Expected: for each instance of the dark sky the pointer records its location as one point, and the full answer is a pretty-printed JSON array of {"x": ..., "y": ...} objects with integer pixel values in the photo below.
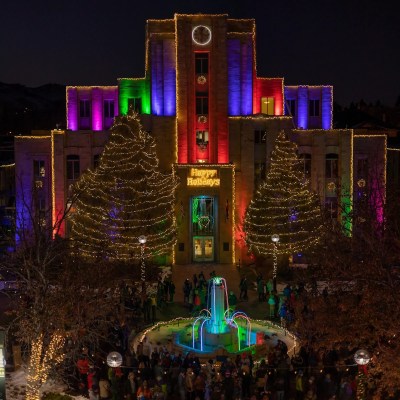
[{"x": 353, "y": 45}]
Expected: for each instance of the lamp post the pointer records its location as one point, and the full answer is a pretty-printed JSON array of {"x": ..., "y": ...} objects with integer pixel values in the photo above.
[
  {"x": 362, "y": 358},
  {"x": 142, "y": 240},
  {"x": 275, "y": 240},
  {"x": 114, "y": 360}
]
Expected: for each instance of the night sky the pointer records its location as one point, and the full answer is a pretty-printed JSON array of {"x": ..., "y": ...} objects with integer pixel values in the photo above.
[{"x": 353, "y": 45}]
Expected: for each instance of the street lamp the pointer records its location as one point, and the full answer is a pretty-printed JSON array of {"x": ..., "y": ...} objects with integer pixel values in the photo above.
[
  {"x": 142, "y": 240},
  {"x": 114, "y": 359},
  {"x": 362, "y": 358},
  {"x": 275, "y": 240}
]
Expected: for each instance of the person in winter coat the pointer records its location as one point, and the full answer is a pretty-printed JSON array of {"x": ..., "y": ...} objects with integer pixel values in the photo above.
[
  {"x": 104, "y": 388},
  {"x": 189, "y": 384},
  {"x": 299, "y": 386},
  {"x": 182, "y": 385},
  {"x": 243, "y": 289},
  {"x": 232, "y": 299},
  {"x": 144, "y": 392},
  {"x": 271, "y": 303},
  {"x": 131, "y": 387},
  {"x": 171, "y": 292}
]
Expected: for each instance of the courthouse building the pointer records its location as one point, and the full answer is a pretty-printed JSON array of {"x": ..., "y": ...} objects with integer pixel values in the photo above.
[{"x": 215, "y": 122}]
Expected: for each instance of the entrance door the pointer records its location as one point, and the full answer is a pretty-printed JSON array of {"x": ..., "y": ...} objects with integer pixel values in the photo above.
[{"x": 203, "y": 248}]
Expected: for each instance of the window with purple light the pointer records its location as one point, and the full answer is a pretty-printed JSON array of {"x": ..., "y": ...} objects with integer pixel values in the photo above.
[
  {"x": 313, "y": 108},
  {"x": 84, "y": 108},
  {"x": 109, "y": 109}
]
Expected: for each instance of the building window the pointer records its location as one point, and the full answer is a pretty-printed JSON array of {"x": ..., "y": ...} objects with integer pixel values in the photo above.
[
  {"x": 135, "y": 103},
  {"x": 306, "y": 160},
  {"x": 201, "y": 63},
  {"x": 202, "y": 105},
  {"x": 290, "y": 107},
  {"x": 41, "y": 211},
  {"x": 84, "y": 108},
  {"x": 73, "y": 167},
  {"x": 260, "y": 136},
  {"x": 39, "y": 170},
  {"x": 202, "y": 215},
  {"x": 313, "y": 108},
  {"x": 268, "y": 105},
  {"x": 96, "y": 160},
  {"x": 202, "y": 139},
  {"x": 331, "y": 166},
  {"x": 331, "y": 207},
  {"x": 259, "y": 173},
  {"x": 108, "y": 108},
  {"x": 362, "y": 168}
]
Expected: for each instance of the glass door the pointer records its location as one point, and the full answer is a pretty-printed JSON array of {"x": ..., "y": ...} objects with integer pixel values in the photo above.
[{"x": 203, "y": 248}]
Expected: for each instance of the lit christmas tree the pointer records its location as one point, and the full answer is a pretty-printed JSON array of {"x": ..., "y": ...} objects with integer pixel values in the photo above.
[
  {"x": 124, "y": 198},
  {"x": 283, "y": 205}
]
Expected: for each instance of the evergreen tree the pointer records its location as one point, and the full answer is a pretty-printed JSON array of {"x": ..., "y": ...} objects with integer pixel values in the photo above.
[
  {"x": 125, "y": 197},
  {"x": 283, "y": 205}
]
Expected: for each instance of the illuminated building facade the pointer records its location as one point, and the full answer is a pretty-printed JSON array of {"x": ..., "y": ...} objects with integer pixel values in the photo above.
[{"x": 215, "y": 122}]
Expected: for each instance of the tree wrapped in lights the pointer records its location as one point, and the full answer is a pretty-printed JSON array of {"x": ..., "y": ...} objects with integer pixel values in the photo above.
[
  {"x": 125, "y": 197},
  {"x": 42, "y": 360},
  {"x": 283, "y": 205}
]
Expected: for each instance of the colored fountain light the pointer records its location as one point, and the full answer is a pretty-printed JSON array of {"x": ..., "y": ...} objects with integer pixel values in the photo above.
[
  {"x": 218, "y": 325},
  {"x": 218, "y": 329}
]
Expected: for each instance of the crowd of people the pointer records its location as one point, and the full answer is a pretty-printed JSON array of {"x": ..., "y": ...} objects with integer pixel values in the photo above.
[{"x": 152, "y": 371}]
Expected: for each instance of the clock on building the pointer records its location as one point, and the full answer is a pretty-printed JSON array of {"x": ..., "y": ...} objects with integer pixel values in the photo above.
[{"x": 201, "y": 35}]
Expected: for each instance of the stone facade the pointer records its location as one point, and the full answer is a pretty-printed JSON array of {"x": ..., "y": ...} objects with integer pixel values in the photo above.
[{"x": 215, "y": 122}]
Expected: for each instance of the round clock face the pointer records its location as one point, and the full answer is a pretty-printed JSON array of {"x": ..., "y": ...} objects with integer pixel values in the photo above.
[{"x": 201, "y": 35}]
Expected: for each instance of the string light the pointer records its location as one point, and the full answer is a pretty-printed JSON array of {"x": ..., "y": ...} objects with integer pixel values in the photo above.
[
  {"x": 54, "y": 211},
  {"x": 283, "y": 205},
  {"x": 32, "y": 137},
  {"x": 125, "y": 197},
  {"x": 266, "y": 323},
  {"x": 41, "y": 361},
  {"x": 218, "y": 166}
]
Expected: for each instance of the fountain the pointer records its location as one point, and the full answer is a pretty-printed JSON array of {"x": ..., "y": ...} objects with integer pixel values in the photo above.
[
  {"x": 218, "y": 325},
  {"x": 218, "y": 330}
]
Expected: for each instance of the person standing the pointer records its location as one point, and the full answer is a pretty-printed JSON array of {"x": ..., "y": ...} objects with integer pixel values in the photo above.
[
  {"x": 189, "y": 384},
  {"x": 104, "y": 388},
  {"x": 182, "y": 384},
  {"x": 153, "y": 309},
  {"x": 260, "y": 290},
  {"x": 232, "y": 299},
  {"x": 243, "y": 289},
  {"x": 130, "y": 387},
  {"x": 171, "y": 291},
  {"x": 271, "y": 304},
  {"x": 299, "y": 382}
]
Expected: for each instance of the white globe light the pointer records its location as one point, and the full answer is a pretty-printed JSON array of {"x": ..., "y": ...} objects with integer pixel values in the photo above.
[
  {"x": 142, "y": 239},
  {"x": 275, "y": 238},
  {"x": 114, "y": 359},
  {"x": 362, "y": 357}
]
